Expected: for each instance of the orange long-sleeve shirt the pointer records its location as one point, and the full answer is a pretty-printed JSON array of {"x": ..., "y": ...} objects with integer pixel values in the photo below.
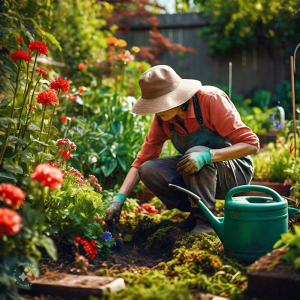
[{"x": 219, "y": 114}]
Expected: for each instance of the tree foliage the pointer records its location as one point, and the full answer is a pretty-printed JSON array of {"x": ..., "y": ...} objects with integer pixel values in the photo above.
[{"x": 239, "y": 23}]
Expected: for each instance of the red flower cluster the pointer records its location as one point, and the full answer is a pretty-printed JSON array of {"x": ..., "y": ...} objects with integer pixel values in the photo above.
[
  {"x": 81, "y": 89},
  {"x": 79, "y": 180},
  {"x": 81, "y": 66},
  {"x": 63, "y": 119},
  {"x": 32, "y": 106},
  {"x": 41, "y": 70},
  {"x": 93, "y": 178},
  {"x": 11, "y": 194},
  {"x": 99, "y": 187},
  {"x": 20, "y": 39},
  {"x": 60, "y": 84},
  {"x": 150, "y": 208},
  {"x": 72, "y": 97},
  {"x": 47, "y": 97},
  {"x": 66, "y": 154},
  {"x": 76, "y": 172},
  {"x": 10, "y": 221},
  {"x": 90, "y": 248},
  {"x": 39, "y": 46},
  {"x": 48, "y": 175},
  {"x": 18, "y": 55},
  {"x": 65, "y": 142}
]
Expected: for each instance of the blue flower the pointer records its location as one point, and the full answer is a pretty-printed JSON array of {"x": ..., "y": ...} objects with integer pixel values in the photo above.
[
  {"x": 271, "y": 116},
  {"x": 106, "y": 236},
  {"x": 276, "y": 124}
]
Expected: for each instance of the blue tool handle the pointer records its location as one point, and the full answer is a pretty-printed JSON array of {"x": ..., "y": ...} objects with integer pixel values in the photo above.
[{"x": 257, "y": 188}]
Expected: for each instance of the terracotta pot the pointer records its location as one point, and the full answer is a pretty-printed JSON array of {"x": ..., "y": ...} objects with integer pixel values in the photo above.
[{"x": 281, "y": 188}]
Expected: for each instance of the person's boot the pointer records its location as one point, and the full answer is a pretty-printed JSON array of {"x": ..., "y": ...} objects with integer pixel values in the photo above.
[
  {"x": 188, "y": 224},
  {"x": 202, "y": 225}
]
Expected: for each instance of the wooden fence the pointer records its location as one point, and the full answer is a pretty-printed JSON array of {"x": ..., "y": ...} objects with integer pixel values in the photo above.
[{"x": 252, "y": 68}]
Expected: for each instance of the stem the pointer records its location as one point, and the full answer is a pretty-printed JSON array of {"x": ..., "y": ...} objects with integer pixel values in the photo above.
[
  {"x": 42, "y": 123},
  {"x": 12, "y": 114},
  {"x": 51, "y": 120}
]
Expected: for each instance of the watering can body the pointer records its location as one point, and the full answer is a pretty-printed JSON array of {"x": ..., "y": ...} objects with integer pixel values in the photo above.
[{"x": 251, "y": 225}]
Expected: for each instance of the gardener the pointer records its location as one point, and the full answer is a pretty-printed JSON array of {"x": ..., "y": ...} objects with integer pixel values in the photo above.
[{"x": 206, "y": 129}]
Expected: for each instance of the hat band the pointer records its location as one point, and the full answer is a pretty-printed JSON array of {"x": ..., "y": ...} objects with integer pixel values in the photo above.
[{"x": 161, "y": 92}]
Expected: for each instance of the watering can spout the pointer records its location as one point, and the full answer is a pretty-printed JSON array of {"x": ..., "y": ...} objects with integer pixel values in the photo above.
[{"x": 216, "y": 223}]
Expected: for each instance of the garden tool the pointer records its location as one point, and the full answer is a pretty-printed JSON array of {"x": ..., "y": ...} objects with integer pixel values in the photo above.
[{"x": 251, "y": 225}]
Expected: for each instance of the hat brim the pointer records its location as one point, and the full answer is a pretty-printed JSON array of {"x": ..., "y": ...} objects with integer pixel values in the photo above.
[{"x": 186, "y": 89}]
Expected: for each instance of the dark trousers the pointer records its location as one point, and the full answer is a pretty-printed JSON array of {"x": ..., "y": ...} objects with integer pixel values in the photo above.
[{"x": 211, "y": 182}]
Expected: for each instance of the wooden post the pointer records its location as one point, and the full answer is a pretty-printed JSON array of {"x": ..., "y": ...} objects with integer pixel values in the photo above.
[
  {"x": 230, "y": 79},
  {"x": 294, "y": 105}
]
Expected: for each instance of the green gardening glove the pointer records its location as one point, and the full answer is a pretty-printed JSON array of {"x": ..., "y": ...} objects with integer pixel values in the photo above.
[
  {"x": 114, "y": 209},
  {"x": 193, "y": 162}
]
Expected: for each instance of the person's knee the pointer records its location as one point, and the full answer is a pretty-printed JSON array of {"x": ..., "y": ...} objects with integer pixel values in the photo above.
[
  {"x": 147, "y": 170},
  {"x": 196, "y": 149}
]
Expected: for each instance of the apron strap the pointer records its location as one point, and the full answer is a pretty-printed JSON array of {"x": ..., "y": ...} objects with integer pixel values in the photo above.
[{"x": 197, "y": 110}]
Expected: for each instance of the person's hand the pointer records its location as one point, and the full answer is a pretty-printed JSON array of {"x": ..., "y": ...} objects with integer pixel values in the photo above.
[
  {"x": 193, "y": 162},
  {"x": 114, "y": 209}
]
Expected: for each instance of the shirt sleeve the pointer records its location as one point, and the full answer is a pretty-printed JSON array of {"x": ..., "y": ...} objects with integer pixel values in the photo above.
[
  {"x": 226, "y": 120},
  {"x": 152, "y": 147}
]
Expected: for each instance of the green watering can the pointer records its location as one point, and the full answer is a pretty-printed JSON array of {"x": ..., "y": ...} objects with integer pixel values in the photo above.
[{"x": 251, "y": 225}]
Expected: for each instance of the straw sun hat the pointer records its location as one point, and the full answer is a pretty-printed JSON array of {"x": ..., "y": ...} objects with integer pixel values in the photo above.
[{"x": 163, "y": 89}]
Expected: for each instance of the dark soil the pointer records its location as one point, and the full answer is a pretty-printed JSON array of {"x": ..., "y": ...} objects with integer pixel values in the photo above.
[{"x": 132, "y": 256}]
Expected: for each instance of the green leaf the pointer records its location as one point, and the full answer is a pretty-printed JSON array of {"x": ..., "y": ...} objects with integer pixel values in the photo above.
[
  {"x": 21, "y": 143},
  {"x": 117, "y": 127},
  {"x": 5, "y": 121},
  {"x": 26, "y": 156},
  {"x": 39, "y": 142},
  {"x": 7, "y": 177},
  {"x": 54, "y": 129},
  {"x": 12, "y": 168},
  {"x": 45, "y": 156},
  {"x": 33, "y": 127},
  {"x": 49, "y": 246},
  {"x": 109, "y": 167},
  {"x": 122, "y": 163},
  {"x": 17, "y": 121},
  {"x": 49, "y": 36},
  {"x": 26, "y": 180}
]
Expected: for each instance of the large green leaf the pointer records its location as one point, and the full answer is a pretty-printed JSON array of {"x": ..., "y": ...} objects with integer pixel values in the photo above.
[
  {"x": 26, "y": 156},
  {"x": 43, "y": 155},
  {"x": 39, "y": 142},
  {"x": 49, "y": 246},
  {"x": 109, "y": 166},
  {"x": 7, "y": 177},
  {"x": 117, "y": 127},
  {"x": 122, "y": 162},
  {"x": 33, "y": 127},
  {"x": 5, "y": 121},
  {"x": 12, "y": 168},
  {"x": 49, "y": 36}
]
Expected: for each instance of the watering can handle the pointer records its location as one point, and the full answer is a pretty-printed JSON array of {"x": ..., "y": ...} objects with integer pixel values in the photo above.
[{"x": 245, "y": 188}]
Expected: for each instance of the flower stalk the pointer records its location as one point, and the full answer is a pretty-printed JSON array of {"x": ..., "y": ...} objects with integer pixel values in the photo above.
[
  {"x": 42, "y": 122},
  {"x": 11, "y": 115}
]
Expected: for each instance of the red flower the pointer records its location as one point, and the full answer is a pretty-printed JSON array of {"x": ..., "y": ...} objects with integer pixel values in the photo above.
[
  {"x": 72, "y": 97},
  {"x": 282, "y": 250},
  {"x": 93, "y": 178},
  {"x": 80, "y": 89},
  {"x": 18, "y": 55},
  {"x": 48, "y": 176},
  {"x": 47, "y": 97},
  {"x": 41, "y": 70},
  {"x": 63, "y": 119},
  {"x": 77, "y": 239},
  {"x": 291, "y": 149},
  {"x": 262, "y": 167},
  {"x": 150, "y": 208},
  {"x": 72, "y": 119},
  {"x": 39, "y": 46},
  {"x": 66, "y": 154},
  {"x": 10, "y": 221},
  {"x": 76, "y": 172},
  {"x": 59, "y": 83},
  {"x": 11, "y": 194},
  {"x": 20, "y": 39},
  {"x": 90, "y": 248},
  {"x": 66, "y": 142},
  {"x": 95, "y": 219},
  {"x": 140, "y": 66},
  {"x": 99, "y": 187},
  {"x": 119, "y": 78},
  {"x": 81, "y": 66}
]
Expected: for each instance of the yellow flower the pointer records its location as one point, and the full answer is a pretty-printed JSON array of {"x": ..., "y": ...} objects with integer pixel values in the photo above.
[
  {"x": 135, "y": 49},
  {"x": 121, "y": 43}
]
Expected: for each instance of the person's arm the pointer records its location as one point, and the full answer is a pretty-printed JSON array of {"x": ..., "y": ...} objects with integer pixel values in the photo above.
[
  {"x": 236, "y": 151},
  {"x": 131, "y": 180}
]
